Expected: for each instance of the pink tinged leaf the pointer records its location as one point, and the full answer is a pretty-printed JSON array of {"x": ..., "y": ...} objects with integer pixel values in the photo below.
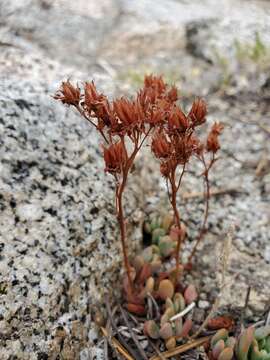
[
  {"x": 186, "y": 328},
  {"x": 190, "y": 294}
]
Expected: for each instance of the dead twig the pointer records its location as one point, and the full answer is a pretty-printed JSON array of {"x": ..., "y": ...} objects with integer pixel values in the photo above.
[
  {"x": 133, "y": 335},
  {"x": 117, "y": 346},
  {"x": 216, "y": 192},
  {"x": 223, "y": 266},
  {"x": 243, "y": 312},
  {"x": 181, "y": 349},
  {"x": 115, "y": 328},
  {"x": 156, "y": 350}
]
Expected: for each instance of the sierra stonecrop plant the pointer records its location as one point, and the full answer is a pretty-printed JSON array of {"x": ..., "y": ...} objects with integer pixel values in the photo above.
[
  {"x": 252, "y": 344},
  {"x": 125, "y": 125},
  {"x": 222, "y": 346},
  {"x": 166, "y": 327}
]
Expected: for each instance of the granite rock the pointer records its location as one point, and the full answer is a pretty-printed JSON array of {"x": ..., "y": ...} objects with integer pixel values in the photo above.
[{"x": 59, "y": 251}]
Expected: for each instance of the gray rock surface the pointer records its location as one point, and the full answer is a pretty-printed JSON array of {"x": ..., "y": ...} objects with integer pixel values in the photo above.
[
  {"x": 58, "y": 241},
  {"x": 59, "y": 248}
]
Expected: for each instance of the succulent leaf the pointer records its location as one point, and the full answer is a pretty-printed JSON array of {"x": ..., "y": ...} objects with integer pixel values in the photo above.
[
  {"x": 179, "y": 302},
  {"x": 170, "y": 343},
  {"x": 166, "y": 246},
  {"x": 157, "y": 234},
  {"x": 178, "y": 326},
  {"x": 218, "y": 348},
  {"x": 244, "y": 343},
  {"x": 149, "y": 285},
  {"x": 167, "y": 222},
  {"x": 151, "y": 329},
  {"x": 165, "y": 289},
  {"x": 166, "y": 331},
  {"x": 226, "y": 354},
  {"x": 262, "y": 332},
  {"x": 186, "y": 328},
  {"x": 190, "y": 294},
  {"x": 221, "y": 334}
]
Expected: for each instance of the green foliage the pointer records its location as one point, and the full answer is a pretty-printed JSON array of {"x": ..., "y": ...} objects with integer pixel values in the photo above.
[
  {"x": 255, "y": 51},
  {"x": 222, "y": 345}
]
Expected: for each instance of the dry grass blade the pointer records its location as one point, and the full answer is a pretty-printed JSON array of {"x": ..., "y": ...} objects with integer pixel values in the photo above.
[
  {"x": 181, "y": 349},
  {"x": 114, "y": 326},
  {"x": 133, "y": 335},
  {"x": 157, "y": 350},
  {"x": 195, "y": 194},
  {"x": 118, "y": 347}
]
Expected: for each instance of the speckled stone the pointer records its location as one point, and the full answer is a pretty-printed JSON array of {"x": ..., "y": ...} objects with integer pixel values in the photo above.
[{"x": 59, "y": 252}]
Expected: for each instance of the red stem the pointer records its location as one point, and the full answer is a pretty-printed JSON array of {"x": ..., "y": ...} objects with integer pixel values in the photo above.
[
  {"x": 119, "y": 197},
  {"x": 177, "y": 218},
  {"x": 122, "y": 225},
  {"x": 206, "y": 211}
]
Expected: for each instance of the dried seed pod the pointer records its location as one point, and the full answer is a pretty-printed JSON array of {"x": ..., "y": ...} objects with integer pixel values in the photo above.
[
  {"x": 151, "y": 329},
  {"x": 165, "y": 289},
  {"x": 166, "y": 331},
  {"x": 190, "y": 294},
  {"x": 170, "y": 343}
]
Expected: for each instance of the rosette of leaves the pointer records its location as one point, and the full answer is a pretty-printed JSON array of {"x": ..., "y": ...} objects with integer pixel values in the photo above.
[
  {"x": 167, "y": 329},
  {"x": 222, "y": 346},
  {"x": 254, "y": 344},
  {"x": 163, "y": 234}
]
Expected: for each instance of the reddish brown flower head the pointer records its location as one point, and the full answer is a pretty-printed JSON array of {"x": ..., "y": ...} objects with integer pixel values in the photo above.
[
  {"x": 198, "y": 112},
  {"x": 177, "y": 120},
  {"x": 68, "y": 94},
  {"x": 173, "y": 94},
  {"x": 168, "y": 167},
  {"x": 115, "y": 157},
  {"x": 156, "y": 83},
  {"x": 126, "y": 112},
  {"x": 184, "y": 147},
  {"x": 155, "y": 116},
  {"x": 212, "y": 143},
  {"x": 96, "y": 104},
  {"x": 160, "y": 146}
]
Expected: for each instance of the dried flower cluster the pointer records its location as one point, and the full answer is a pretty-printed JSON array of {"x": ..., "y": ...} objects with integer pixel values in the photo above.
[{"x": 125, "y": 124}]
